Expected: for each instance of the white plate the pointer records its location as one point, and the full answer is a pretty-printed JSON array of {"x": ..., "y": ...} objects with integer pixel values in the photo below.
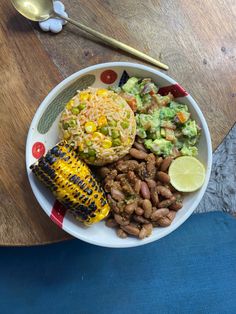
[{"x": 43, "y": 135}]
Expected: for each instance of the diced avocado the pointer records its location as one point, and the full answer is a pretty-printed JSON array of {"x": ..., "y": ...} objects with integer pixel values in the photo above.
[
  {"x": 144, "y": 121},
  {"x": 179, "y": 144},
  {"x": 167, "y": 113},
  {"x": 159, "y": 146},
  {"x": 146, "y": 99},
  {"x": 130, "y": 84},
  {"x": 154, "y": 134},
  {"x": 178, "y": 107},
  {"x": 192, "y": 141},
  {"x": 189, "y": 151},
  {"x": 138, "y": 102},
  {"x": 190, "y": 128},
  {"x": 163, "y": 132},
  {"x": 141, "y": 132}
]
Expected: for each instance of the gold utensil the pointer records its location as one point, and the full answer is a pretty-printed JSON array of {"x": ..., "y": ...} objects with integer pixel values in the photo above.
[{"x": 41, "y": 10}]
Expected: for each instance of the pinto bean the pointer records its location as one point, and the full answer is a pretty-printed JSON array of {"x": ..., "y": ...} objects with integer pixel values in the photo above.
[
  {"x": 130, "y": 208},
  {"x": 139, "y": 211},
  {"x": 121, "y": 233},
  {"x": 146, "y": 231},
  {"x": 103, "y": 172},
  {"x": 164, "y": 222},
  {"x": 171, "y": 215},
  {"x": 145, "y": 192},
  {"x": 126, "y": 157},
  {"x": 131, "y": 176},
  {"x": 120, "y": 176},
  {"x": 111, "y": 223},
  {"x": 151, "y": 167},
  {"x": 140, "y": 219},
  {"x": 147, "y": 206},
  {"x": 137, "y": 186},
  {"x": 121, "y": 220},
  {"x": 131, "y": 229},
  {"x": 167, "y": 203},
  {"x": 178, "y": 196},
  {"x": 176, "y": 206},
  {"x": 158, "y": 161},
  {"x": 165, "y": 192},
  {"x": 140, "y": 146},
  {"x": 113, "y": 204},
  {"x": 159, "y": 213},
  {"x": 138, "y": 154},
  {"x": 154, "y": 197},
  {"x": 117, "y": 194},
  {"x": 111, "y": 175},
  {"x": 166, "y": 163},
  {"x": 151, "y": 183},
  {"x": 163, "y": 177},
  {"x": 125, "y": 166},
  {"x": 142, "y": 171}
]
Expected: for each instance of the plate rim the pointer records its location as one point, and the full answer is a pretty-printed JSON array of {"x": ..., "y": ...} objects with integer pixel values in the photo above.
[{"x": 51, "y": 95}]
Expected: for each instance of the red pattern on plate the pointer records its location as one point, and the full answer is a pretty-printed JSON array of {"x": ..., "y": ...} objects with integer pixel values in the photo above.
[
  {"x": 58, "y": 213},
  {"x": 176, "y": 90},
  {"x": 108, "y": 76},
  {"x": 38, "y": 150}
]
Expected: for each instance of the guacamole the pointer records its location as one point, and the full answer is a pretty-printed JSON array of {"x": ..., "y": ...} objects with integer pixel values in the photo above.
[{"x": 165, "y": 125}]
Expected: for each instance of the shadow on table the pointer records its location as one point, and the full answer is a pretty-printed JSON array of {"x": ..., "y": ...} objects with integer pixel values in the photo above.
[{"x": 191, "y": 270}]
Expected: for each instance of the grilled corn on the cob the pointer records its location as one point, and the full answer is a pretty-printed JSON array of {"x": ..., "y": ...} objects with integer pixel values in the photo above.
[{"x": 72, "y": 183}]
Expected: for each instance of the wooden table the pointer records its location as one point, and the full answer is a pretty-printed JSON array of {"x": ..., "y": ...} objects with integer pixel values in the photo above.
[{"x": 195, "y": 38}]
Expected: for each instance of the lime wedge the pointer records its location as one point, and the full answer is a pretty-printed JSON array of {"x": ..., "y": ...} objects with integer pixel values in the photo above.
[{"x": 187, "y": 174}]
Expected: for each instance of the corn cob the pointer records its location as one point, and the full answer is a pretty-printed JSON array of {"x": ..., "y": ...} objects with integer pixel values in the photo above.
[{"x": 72, "y": 183}]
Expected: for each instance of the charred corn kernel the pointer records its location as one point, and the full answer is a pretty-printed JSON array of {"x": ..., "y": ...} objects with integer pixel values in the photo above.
[
  {"x": 97, "y": 136},
  {"x": 66, "y": 135},
  {"x": 84, "y": 96},
  {"x": 72, "y": 183},
  {"x": 69, "y": 104},
  {"x": 106, "y": 143},
  {"x": 102, "y": 121},
  {"x": 102, "y": 92},
  {"x": 90, "y": 127}
]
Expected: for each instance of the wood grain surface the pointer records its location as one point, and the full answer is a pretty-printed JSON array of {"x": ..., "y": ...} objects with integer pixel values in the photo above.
[
  {"x": 26, "y": 76},
  {"x": 195, "y": 38}
]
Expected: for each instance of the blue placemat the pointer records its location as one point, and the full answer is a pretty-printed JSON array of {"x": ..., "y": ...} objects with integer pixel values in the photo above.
[{"x": 193, "y": 270}]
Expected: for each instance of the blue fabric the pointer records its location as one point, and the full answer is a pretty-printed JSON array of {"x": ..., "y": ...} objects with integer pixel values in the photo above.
[{"x": 193, "y": 270}]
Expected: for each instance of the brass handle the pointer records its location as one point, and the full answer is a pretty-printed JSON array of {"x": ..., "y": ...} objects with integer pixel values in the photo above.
[{"x": 115, "y": 43}]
